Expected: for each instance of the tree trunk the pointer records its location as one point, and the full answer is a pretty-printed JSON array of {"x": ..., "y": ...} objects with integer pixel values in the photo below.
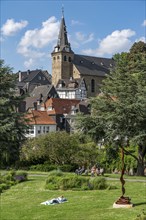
[
  {"x": 140, "y": 168},
  {"x": 140, "y": 162}
]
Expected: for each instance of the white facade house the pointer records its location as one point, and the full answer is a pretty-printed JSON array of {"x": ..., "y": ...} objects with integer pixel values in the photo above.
[
  {"x": 39, "y": 122},
  {"x": 72, "y": 89}
]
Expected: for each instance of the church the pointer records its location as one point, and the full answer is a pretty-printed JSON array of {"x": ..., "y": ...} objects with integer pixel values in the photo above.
[{"x": 68, "y": 66}]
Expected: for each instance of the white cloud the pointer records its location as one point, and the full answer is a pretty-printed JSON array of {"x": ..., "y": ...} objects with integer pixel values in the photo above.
[
  {"x": 144, "y": 23},
  {"x": 11, "y": 27},
  {"x": 84, "y": 38},
  {"x": 29, "y": 63},
  {"x": 116, "y": 42},
  {"x": 34, "y": 40},
  {"x": 143, "y": 39},
  {"x": 74, "y": 22}
]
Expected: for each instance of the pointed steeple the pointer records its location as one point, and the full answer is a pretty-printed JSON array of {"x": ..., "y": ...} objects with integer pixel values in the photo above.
[{"x": 62, "y": 42}]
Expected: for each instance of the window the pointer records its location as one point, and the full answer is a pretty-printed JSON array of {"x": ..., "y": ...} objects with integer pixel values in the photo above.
[
  {"x": 58, "y": 57},
  {"x": 39, "y": 130},
  {"x": 69, "y": 59},
  {"x": 30, "y": 130},
  {"x": 65, "y": 58},
  {"x": 47, "y": 129},
  {"x": 92, "y": 85},
  {"x": 39, "y": 77},
  {"x": 54, "y": 58}
]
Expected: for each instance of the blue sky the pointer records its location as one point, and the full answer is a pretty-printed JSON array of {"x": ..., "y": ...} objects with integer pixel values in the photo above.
[{"x": 29, "y": 29}]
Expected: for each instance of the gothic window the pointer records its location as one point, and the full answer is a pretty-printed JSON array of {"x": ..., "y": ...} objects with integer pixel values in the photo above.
[
  {"x": 69, "y": 59},
  {"x": 65, "y": 58},
  {"x": 92, "y": 85}
]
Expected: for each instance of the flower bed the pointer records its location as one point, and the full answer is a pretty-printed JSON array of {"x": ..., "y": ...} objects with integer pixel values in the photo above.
[{"x": 11, "y": 178}]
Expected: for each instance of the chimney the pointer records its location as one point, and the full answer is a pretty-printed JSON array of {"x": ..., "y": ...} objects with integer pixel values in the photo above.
[
  {"x": 28, "y": 72},
  {"x": 20, "y": 76},
  {"x": 35, "y": 105}
]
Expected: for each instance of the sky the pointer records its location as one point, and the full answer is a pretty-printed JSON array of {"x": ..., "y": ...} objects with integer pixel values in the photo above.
[{"x": 29, "y": 29}]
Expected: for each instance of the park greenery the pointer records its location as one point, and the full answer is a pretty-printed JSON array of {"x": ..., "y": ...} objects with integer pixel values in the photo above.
[
  {"x": 22, "y": 201},
  {"x": 117, "y": 120},
  {"x": 11, "y": 178},
  {"x": 118, "y": 114}
]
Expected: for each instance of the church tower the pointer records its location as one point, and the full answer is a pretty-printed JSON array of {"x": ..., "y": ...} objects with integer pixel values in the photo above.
[{"x": 62, "y": 56}]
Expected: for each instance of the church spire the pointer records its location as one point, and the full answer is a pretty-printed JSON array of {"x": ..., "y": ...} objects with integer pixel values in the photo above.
[{"x": 62, "y": 42}]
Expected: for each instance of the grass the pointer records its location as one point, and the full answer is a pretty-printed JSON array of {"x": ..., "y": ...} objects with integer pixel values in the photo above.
[{"x": 22, "y": 202}]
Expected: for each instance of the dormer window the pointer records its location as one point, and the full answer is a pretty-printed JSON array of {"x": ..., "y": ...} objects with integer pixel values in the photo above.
[
  {"x": 50, "y": 108},
  {"x": 101, "y": 63},
  {"x": 81, "y": 61},
  {"x": 60, "y": 85},
  {"x": 39, "y": 77}
]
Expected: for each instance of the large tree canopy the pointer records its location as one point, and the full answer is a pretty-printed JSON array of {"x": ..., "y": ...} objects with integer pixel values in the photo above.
[
  {"x": 118, "y": 114},
  {"x": 11, "y": 123}
]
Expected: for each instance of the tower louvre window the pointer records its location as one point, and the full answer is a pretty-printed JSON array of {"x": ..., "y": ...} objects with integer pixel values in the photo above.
[{"x": 65, "y": 58}]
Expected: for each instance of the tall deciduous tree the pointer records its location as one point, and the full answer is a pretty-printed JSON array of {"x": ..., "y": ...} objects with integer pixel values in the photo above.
[
  {"x": 11, "y": 123},
  {"x": 119, "y": 112},
  {"x": 56, "y": 148}
]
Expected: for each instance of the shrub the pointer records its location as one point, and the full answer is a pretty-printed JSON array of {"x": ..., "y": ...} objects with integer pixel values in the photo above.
[
  {"x": 66, "y": 168},
  {"x": 59, "y": 180},
  {"x": 56, "y": 173},
  {"x": 11, "y": 178},
  {"x": 98, "y": 183},
  {"x": 48, "y": 167}
]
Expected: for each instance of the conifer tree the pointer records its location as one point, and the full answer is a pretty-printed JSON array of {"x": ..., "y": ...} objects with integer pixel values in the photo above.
[
  {"x": 119, "y": 112},
  {"x": 11, "y": 122}
]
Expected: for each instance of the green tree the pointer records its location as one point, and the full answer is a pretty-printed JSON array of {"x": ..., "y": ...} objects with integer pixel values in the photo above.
[
  {"x": 119, "y": 112},
  {"x": 11, "y": 121},
  {"x": 56, "y": 147}
]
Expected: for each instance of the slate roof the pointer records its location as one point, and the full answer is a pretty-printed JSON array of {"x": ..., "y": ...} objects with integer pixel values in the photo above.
[
  {"x": 93, "y": 66},
  {"x": 27, "y": 76},
  {"x": 83, "y": 107},
  {"x": 36, "y": 117},
  {"x": 60, "y": 106},
  {"x": 44, "y": 90},
  {"x": 69, "y": 84},
  {"x": 30, "y": 102},
  {"x": 62, "y": 42}
]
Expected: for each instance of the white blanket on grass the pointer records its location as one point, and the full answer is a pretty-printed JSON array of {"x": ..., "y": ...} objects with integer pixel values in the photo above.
[{"x": 54, "y": 201}]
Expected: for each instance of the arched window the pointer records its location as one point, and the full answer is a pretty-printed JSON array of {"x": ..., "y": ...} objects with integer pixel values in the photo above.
[
  {"x": 65, "y": 58},
  {"x": 58, "y": 57},
  {"x": 69, "y": 59},
  {"x": 92, "y": 85},
  {"x": 54, "y": 58}
]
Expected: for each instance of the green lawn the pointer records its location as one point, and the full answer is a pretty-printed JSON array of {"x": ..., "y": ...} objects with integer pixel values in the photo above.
[{"x": 22, "y": 202}]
